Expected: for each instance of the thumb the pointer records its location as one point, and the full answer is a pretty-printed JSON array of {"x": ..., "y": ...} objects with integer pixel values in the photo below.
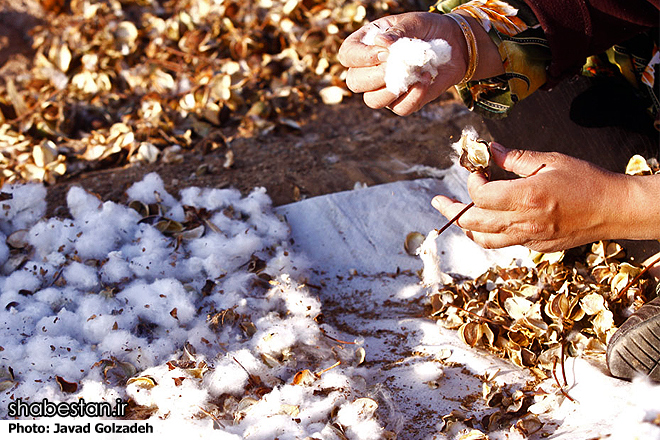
[
  {"x": 520, "y": 162},
  {"x": 390, "y": 35}
]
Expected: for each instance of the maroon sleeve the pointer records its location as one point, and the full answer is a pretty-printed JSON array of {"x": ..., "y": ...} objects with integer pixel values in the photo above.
[{"x": 576, "y": 29}]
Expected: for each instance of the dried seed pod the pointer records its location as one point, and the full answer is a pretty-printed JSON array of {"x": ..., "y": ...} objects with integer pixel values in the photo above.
[
  {"x": 146, "y": 382},
  {"x": 18, "y": 239},
  {"x": 474, "y": 152},
  {"x": 637, "y": 166},
  {"x": 413, "y": 241}
]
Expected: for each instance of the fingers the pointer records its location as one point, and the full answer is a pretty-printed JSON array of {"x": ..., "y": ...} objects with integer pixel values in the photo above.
[
  {"x": 378, "y": 98},
  {"x": 474, "y": 219},
  {"x": 520, "y": 162},
  {"x": 354, "y": 53},
  {"x": 366, "y": 79},
  {"x": 489, "y": 229}
]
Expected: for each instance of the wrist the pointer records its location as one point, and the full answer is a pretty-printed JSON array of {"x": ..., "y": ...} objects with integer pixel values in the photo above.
[
  {"x": 639, "y": 212},
  {"x": 488, "y": 61}
]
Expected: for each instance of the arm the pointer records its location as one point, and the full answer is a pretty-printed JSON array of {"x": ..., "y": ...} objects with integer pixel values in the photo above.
[{"x": 568, "y": 203}]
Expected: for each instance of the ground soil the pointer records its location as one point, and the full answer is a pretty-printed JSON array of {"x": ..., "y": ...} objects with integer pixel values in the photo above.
[{"x": 335, "y": 148}]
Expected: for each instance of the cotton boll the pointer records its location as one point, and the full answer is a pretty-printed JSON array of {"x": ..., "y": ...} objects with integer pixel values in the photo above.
[
  {"x": 428, "y": 371},
  {"x": 155, "y": 302},
  {"x": 280, "y": 426},
  {"x": 409, "y": 58},
  {"x": 96, "y": 327},
  {"x": 298, "y": 301},
  {"x": 92, "y": 389},
  {"x": 43, "y": 358},
  {"x": 65, "y": 323},
  {"x": 150, "y": 255},
  {"x": 120, "y": 343},
  {"x": 24, "y": 209},
  {"x": 227, "y": 379},
  {"x": 176, "y": 394},
  {"x": 334, "y": 380},
  {"x": 81, "y": 276},
  {"x": 98, "y": 237},
  {"x": 210, "y": 199},
  {"x": 357, "y": 418}
]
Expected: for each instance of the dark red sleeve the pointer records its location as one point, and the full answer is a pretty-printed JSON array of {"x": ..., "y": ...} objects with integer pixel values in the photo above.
[{"x": 576, "y": 29}]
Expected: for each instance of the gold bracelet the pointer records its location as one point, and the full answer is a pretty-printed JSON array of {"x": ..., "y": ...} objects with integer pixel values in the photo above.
[{"x": 471, "y": 41}]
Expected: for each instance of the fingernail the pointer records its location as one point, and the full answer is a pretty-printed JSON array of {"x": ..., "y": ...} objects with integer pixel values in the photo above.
[
  {"x": 382, "y": 56},
  {"x": 436, "y": 203}
]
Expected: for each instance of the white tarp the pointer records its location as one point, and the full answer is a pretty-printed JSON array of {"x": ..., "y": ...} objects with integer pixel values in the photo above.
[{"x": 355, "y": 241}]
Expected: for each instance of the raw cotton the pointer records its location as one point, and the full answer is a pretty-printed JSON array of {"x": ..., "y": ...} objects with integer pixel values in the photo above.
[
  {"x": 409, "y": 59},
  {"x": 209, "y": 328}
]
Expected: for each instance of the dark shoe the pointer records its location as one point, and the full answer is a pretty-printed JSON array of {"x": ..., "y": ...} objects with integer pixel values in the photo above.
[{"x": 634, "y": 350}]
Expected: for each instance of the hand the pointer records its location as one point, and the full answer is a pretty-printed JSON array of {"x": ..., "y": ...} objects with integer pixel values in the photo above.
[
  {"x": 569, "y": 202},
  {"x": 366, "y": 64}
]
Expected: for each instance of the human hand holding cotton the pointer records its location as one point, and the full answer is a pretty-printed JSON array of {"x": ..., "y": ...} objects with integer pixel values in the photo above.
[{"x": 409, "y": 59}]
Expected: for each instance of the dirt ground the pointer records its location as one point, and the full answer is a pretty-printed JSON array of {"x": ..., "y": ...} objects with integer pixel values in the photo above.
[{"x": 335, "y": 148}]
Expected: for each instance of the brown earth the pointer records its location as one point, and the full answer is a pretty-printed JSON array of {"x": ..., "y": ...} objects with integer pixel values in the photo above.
[{"x": 334, "y": 148}]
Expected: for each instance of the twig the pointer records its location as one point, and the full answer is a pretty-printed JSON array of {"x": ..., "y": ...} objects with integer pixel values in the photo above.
[
  {"x": 35, "y": 106},
  {"x": 185, "y": 54},
  {"x": 335, "y": 339},
  {"x": 561, "y": 389},
  {"x": 634, "y": 280},
  {"x": 456, "y": 217},
  {"x": 563, "y": 368},
  {"x": 336, "y": 364},
  {"x": 214, "y": 418}
]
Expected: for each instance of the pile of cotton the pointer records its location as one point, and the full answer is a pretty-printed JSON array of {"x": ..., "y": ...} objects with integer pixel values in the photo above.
[{"x": 191, "y": 308}]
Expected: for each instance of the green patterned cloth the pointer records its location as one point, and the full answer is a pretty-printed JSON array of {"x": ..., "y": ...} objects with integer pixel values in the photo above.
[{"x": 525, "y": 54}]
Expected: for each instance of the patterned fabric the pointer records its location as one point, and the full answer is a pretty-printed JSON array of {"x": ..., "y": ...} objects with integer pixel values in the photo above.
[{"x": 525, "y": 54}]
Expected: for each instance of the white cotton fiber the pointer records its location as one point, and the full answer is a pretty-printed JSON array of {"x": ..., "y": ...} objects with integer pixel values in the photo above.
[
  {"x": 104, "y": 287},
  {"x": 4, "y": 249},
  {"x": 409, "y": 58},
  {"x": 151, "y": 189},
  {"x": 20, "y": 280},
  {"x": 81, "y": 276},
  {"x": 53, "y": 235},
  {"x": 430, "y": 255},
  {"x": 24, "y": 209},
  {"x": 116, "y": 268}
]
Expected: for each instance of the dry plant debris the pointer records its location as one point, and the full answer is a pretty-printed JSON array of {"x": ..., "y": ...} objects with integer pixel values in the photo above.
[
  {"x": 569, "y": 304},
  {"x": 114, "y": 82}
]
